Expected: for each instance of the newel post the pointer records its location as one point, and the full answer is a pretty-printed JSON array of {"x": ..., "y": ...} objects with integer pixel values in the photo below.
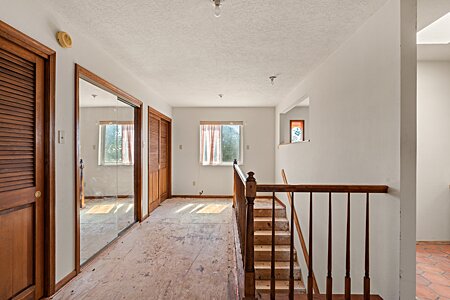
[{"x": 250, "y": 193}]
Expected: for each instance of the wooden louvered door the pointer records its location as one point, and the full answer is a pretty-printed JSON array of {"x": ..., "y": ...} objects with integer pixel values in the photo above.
[
  {"x": 153, "y": 162},
  {"x": 164, "y": 161},
  {"x": 159, "y": 158},
  {"x": 21, "y": 172}
]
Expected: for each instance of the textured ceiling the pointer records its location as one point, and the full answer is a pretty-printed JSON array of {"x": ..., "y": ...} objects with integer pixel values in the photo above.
[
  {"x": 189, "y": 57},
  {"x": 429, "y": 11}
]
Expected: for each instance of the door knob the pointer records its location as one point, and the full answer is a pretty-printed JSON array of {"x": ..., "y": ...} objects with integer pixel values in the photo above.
[{"x": 37, "y": 194}]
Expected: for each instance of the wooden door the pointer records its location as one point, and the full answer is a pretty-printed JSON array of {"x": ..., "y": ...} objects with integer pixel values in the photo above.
[
  {"x": 153, "y": 162},
  {"x": 21, "y": 172},
  {"x": 164, "y": 161}
]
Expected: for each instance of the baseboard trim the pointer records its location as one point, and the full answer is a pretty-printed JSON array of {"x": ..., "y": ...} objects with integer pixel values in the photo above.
[
  {"x": 433, "y": 243},
  {"x": 65, "y": 280},
  {"x": 114, "y": 196},
  {"x": 204, "y": 196}
]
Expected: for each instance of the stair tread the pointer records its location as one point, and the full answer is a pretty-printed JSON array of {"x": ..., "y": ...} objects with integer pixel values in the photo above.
[
  {"x": 279, "y": 285},
  {"x": 278, "y": 265},
  {"x": 269, "y": 248},
  {"x": 269, "y": 232},
  {"x": 269, "y": 219}
]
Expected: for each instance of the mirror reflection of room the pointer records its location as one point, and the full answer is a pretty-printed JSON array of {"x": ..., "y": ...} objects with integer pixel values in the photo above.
[
  {"x": 107, "y": 168},
  {"x": 294, "y": 123}
]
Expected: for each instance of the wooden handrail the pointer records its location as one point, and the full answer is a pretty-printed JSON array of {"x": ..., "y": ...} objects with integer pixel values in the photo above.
[
  {"x": 239, "y": 172},
  {"x": 300, "y": 234},
  {"x": 320, "y": 188}
]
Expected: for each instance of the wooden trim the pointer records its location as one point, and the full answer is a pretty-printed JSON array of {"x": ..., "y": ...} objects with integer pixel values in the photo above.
[
  {"x": 159, "y": 114},
  {"x": 433, "y": 243},
  {"x": 13, "y": 35},
  {"x": 138, "y": 130},
  {"x": 65, "y": 280},
  {"x": 77, "y": 168},
  {"x": 96, "y": 80},
  {"x": 106, "y": 85},
  {"x": 50, "y": 184},
  {"x": 204, "y": 196},
  {"x": 318, "y": 188}
]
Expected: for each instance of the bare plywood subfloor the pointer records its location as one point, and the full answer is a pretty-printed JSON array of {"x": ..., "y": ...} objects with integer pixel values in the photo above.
[{"x": 177, "y": 253}]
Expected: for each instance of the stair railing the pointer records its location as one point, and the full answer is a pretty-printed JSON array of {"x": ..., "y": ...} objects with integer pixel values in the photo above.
[
  {"x": 300, "y": 234},
  {"x": 247, "y": 239},
  {"x": 243, "y": 200}
]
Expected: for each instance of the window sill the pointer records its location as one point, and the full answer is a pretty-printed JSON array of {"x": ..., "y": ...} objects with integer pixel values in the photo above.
[
  {"x": 302, "y": 142},
  {"x": 222, "y": 165}
]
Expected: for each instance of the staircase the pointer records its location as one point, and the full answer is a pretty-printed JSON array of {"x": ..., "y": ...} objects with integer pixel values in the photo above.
[{"x": 263, "y": 250}]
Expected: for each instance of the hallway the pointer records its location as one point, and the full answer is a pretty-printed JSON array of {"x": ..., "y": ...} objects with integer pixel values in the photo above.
[{"x": 184, "y": 250}]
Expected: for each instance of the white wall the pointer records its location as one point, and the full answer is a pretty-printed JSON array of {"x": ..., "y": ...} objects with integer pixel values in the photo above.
[
  {"x": 259, "y": 134},
  {"x": 41, "y": 24},
  {"x": 433, "y": 151},
  {"x": 297, "y": 113},
  {"x": 355, "y": 122},
  {"x": 101, "y": 180}
]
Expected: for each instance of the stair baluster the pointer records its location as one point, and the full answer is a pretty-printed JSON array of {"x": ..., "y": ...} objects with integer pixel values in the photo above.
[
  {"x": 272, "y": 259},
  {"x": 291, "y": 253},
  {"x": 330, "y": 232},
  {"x": 347, "y": 254},
  {"x": 366, "y": 258},
  {"x": 310, "y": 245}
]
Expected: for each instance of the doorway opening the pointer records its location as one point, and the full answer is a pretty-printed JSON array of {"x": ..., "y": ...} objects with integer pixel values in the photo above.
[
  {"x": 108, "y": 159},
  {"x": 433, "y": 147}
]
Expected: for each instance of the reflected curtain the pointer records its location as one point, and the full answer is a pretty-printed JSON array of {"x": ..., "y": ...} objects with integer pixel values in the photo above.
[
  {"x": 210, "y": 138},
  {"x": 128, "y": 144}
]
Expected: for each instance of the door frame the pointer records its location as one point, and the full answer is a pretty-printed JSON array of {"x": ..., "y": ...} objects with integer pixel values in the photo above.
[
  {"x": 82, "y": 73},
  {"x": 160, "y": 115},
  {"x": 17, "y": 37}
]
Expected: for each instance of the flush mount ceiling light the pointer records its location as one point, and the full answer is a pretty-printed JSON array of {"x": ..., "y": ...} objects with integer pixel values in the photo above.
[
  {"x": 272, "y": 79},
  {"x": 437, "y": 32},
  {"x": 217, "y": 7}
]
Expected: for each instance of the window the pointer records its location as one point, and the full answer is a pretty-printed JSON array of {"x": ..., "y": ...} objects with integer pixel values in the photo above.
[
  {"x": 116, "y": 143},
  {"x": 297, "y": 131},
  {"x": 220, "y": 143}
]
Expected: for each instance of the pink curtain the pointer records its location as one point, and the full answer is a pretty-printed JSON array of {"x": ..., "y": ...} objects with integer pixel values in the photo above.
[
  {"x": 128, "y": 144},
  {"x": 210, "y": 139}
]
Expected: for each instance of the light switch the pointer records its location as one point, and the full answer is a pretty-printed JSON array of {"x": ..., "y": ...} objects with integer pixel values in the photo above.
[
  {"x": 248, "y": 147},
  {"x": 61, "y": 137},
  {"x": 180, "y": 147}
]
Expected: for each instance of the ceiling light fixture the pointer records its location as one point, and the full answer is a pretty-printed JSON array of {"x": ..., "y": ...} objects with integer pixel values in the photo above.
[
  {"x": 217, "y": 7},
  {"x": 272, "y": 79},
  {"x": 220, "y": 96},
  {"x": 94, "y": 96}
]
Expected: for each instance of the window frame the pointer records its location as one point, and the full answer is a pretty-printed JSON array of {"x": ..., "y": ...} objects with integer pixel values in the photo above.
[
  {"x": 101, "y": 138},
  {"x": 241, "y": 142}
]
